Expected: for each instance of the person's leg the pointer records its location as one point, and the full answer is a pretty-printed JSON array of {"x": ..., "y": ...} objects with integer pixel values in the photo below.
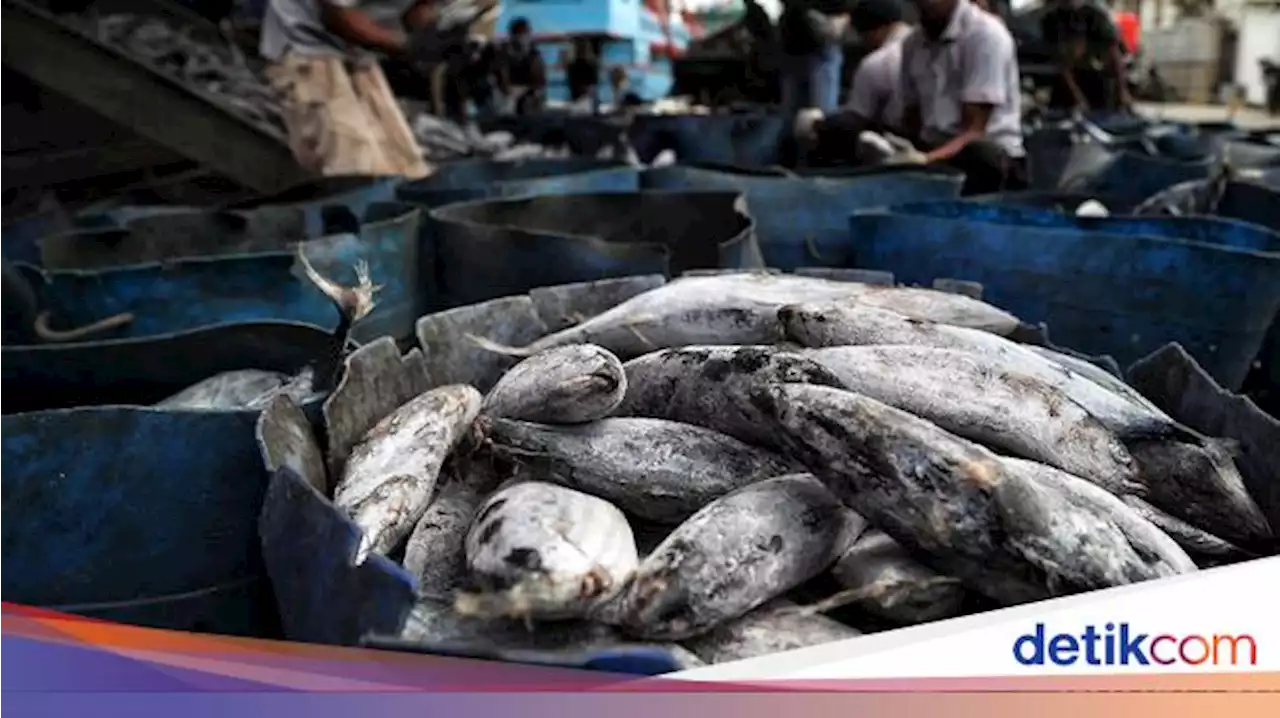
[
  {"x": 985, "y": 165},
  {"x": 824, "y": 78},
  {"x": 399, "y": 149},
  {"x": 328, "y": 129}
]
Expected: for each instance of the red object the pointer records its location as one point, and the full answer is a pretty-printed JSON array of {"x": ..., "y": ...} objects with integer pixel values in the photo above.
[{"x": 1130, "y": 29}]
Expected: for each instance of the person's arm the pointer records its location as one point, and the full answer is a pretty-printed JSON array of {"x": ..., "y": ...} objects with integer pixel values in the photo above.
[
  {"x": 984, "y": 60},
  {"x": 867, "y": 98},
  {"x": 342, "y": 18}
]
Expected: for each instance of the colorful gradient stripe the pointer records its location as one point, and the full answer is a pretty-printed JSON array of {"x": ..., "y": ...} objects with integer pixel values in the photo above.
[{"x": 58, "y": 664}]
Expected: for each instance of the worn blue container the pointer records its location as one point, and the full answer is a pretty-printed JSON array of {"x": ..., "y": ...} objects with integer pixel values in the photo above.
[
  {"x": 1058, "y": 201},
  {"x": 752, "y": 140},
  {"x": 802, "y": 220},
  {"x": 1121, "y": 286},
  {"x": 198, "y": 292},
  {"x": 467, "y": 180},
  {"x": 355, "y": 192},
  {"x": 119, "y": 511},
  {"x": 495, "y": 248},
  {"x": 1122, "y": 172}
]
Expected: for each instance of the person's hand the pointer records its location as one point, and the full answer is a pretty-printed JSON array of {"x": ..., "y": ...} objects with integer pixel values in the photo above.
[
  {"x": 910, "y": 156},
  {"x": 504, "y": 104},
  {"x": 806, "y": 124}
]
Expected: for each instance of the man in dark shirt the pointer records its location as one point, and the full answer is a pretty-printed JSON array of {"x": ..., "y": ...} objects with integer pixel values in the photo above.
[
  {"x": 522, "y": 73},
  {"x": 1089, "y": 54},
  {"x": 583, "y": 73}
]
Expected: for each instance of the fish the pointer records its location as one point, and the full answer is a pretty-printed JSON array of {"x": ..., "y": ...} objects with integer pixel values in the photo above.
[
  {"x": 734, "y": 554},
  {"x": 974, "y": 397},
  {"x": 433, "y": 626},
  {"x": 542, "y": 551},
  {"x": 712, "y": 386},
  {"x": 1203, "y": 547},
  {"x": 960, "y": 508},
  {"x": 391, "y": 474},
  {"x": 1120, "y": 408},
  {"x": 888, "y": 582},
  {"x": 1097, "y": 375},
  {"x": 772, "y": 628},
  {"x": 739, "y": 308},
  {"x": 566, "y": 385},
  {"x": 1115, "y": 531},
  {"x": 1200, "y": 484},
  {"x": 656, "y": 470},
  {"x": 436, "y": 551},
  {"x": 242, "y": 389},
  {"x": 254, "y": 388}
]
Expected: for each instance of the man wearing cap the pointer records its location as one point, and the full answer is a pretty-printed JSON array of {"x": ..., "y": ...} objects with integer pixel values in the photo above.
[
  {"x": 875, "y": 98},
  {"x": 961, "y": 94}
]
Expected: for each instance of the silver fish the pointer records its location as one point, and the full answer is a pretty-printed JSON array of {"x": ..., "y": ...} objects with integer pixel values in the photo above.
[
  {"x": 738, "y": 308},
  {"x": 564, "y": 385},
  {"x": 436, "y": 553},
  {"x": 772, "y": 628},
  {"x": 891, "y": 584},
  {"x": 736, "y": 553},
  {"x": 960, "y": 508},
  {"x": 654, "y": 469},
  {"x": 1120, "y": 408},
  {"x": 540, "y": 550},
  {"x": 712, "y": 386},
  {"x": 388, "y": 481},
  {"x": 1203, "y": 547},
  {"x": 242, "y": 389},
  {"x": 971, "y": 395}
]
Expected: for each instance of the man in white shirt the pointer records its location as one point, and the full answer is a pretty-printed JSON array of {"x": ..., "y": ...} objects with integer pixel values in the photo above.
[
  {"x": 340, "y": 114},
  {"x": 962, "y": 95}
]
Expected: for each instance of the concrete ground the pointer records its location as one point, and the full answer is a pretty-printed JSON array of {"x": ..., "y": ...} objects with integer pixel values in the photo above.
[{"x": 1247, "y": 117}]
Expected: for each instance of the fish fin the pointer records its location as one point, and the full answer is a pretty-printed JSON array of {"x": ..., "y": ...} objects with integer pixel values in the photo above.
[
  {"x": 497, "y": 348},
  {"x": 1164, "y": 431},
  {"x": 1230, "y": 448}
]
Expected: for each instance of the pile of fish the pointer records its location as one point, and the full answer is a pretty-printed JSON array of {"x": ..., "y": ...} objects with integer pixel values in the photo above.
[
  {"x": 739, "y": 464},
  {"x": 442, "y": 140},
  {"x": 219, "y": 70}
]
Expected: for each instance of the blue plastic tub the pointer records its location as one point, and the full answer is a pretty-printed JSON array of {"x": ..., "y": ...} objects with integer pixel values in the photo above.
[
  {"x": 135, "y": 514},
  {"x": 802, "y": 220},
  {"x": 732, "y": 139},
  {"x": 1119, "y": 286},
  {"x": 495, "y": 248},
  {"x": 197, "y": 292}
]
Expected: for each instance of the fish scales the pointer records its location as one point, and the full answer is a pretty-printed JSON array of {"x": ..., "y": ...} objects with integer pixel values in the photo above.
[
  {"x": 713, "y": 386},
  {"x": 546, "y": 551},
  {"x": 953, "y": 504},
  {"x": 654, "y": 469},
  {"x": 565, "y": 385},
  {"x": 391, "y": 475},
  {"x": 972, "y": 396},
  {"x": 772, "y": 628},
  {"x": 728, "y": 309},
  {"x": 736, "y": 553}
]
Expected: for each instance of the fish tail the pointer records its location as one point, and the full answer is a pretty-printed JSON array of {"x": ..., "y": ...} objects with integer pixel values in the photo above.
[{"x": 497, "y": 348}]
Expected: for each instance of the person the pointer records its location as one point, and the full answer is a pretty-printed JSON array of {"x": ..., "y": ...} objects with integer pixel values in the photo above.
[
  {"x": 339, "y": 113},
  {"x": 961, "y": 95},
  {"x": 875, "y": 97},
  {"x": 582, "y": 73},
  {"x": 1089, "y": 54},
  {"x": 811, "y": 34},
  {"x": 466, "y": 75},
  {"x": 522, "y": 73}
]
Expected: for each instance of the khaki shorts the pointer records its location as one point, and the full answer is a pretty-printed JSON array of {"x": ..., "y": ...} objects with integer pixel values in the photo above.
[{"x": 342, "y": 119}]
